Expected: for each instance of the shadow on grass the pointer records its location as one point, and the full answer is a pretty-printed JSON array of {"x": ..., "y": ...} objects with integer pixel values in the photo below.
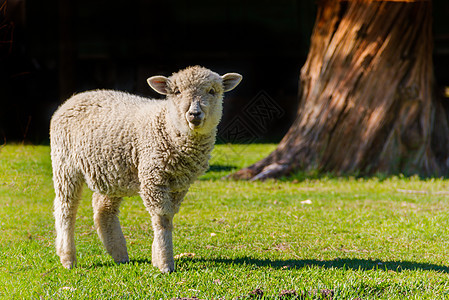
[
  {"x": 302, "y": 176},
  {"x": 110, "y": 263},
  {"x": 221, "y": 168},
  {"x": 215, "y": 171},
  {"x": 351, "y": 264},
  {"x": 348, "y": 264}
]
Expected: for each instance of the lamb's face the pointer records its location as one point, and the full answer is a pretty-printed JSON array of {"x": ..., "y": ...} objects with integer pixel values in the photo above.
[{"x": 195, "y": 96}]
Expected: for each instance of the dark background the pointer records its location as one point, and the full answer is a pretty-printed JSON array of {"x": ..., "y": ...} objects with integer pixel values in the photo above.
[{"x": 51, "y": 49}]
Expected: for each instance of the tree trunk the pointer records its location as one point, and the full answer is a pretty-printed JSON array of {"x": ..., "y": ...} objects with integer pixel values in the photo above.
[{"x": 366, "y": 99}]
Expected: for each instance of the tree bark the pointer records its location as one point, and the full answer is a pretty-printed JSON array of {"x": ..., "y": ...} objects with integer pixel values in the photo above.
[{"x": 366, "y": 96}]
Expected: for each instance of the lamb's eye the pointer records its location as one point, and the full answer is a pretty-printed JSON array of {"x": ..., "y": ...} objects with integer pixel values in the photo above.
[{"x": 212, "y": 91}]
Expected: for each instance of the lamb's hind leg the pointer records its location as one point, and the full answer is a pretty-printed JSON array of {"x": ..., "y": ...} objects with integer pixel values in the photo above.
[
  {"x": 106, "y": 220},
  {"x": 68, "y": 192}
]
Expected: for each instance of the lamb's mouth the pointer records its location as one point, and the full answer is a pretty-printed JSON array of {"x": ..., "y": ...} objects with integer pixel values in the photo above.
[{"x": 195, "y": 123}]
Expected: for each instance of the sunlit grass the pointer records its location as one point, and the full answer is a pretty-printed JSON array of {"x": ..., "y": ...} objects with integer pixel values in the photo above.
[{"x": 372, "y": 238}]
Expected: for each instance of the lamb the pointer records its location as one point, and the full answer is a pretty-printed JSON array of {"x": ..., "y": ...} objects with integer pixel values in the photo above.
[{"x": 122, "y": 145}]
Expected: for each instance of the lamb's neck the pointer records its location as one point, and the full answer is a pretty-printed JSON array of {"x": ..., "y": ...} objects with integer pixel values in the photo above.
[
  {"x": 191, "y": 141},
  {"x": 196, "y": 141}
]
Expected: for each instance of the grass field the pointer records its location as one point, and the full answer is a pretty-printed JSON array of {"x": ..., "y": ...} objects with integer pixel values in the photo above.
[{"x": 320, "y": 236}]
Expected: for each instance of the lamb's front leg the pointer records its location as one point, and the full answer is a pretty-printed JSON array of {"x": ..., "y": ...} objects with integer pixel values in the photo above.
[
  {"x": 162, "y": 250},
  {"x": 159, "y": 203}
]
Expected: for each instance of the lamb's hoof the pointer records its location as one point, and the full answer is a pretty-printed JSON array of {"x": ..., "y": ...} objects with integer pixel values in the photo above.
[
  {"x": 121, "y": 259},
  {"x": 164, "y": 268},
  {"x": 68, "y": 263},
  {"x": 167, "y": 270}
]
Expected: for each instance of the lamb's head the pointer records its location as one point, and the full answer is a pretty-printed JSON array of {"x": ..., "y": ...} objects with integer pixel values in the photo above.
[{"x": 195, "y": 97}]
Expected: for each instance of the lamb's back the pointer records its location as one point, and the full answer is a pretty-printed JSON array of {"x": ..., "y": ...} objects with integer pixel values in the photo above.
[
  {"x": 95, "y": 132},
  {"x": 99, "y": 105}
]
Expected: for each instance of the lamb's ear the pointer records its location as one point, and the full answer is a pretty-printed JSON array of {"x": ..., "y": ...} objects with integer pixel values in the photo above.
[
  {"x": 231, "y": 80},
  {"x": 159, "y": 84}
]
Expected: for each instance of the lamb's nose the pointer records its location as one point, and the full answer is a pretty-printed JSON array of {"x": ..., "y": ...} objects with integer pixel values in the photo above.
[
  {"x": 195, "y": 117},
  {"x": 195, "y": 114}
]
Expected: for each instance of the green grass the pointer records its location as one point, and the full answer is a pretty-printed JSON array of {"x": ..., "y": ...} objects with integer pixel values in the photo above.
[{"x": 375, "y": 238}]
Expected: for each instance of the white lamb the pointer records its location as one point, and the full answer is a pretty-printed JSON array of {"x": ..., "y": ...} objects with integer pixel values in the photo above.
[{"x": 121, "y": 145}]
